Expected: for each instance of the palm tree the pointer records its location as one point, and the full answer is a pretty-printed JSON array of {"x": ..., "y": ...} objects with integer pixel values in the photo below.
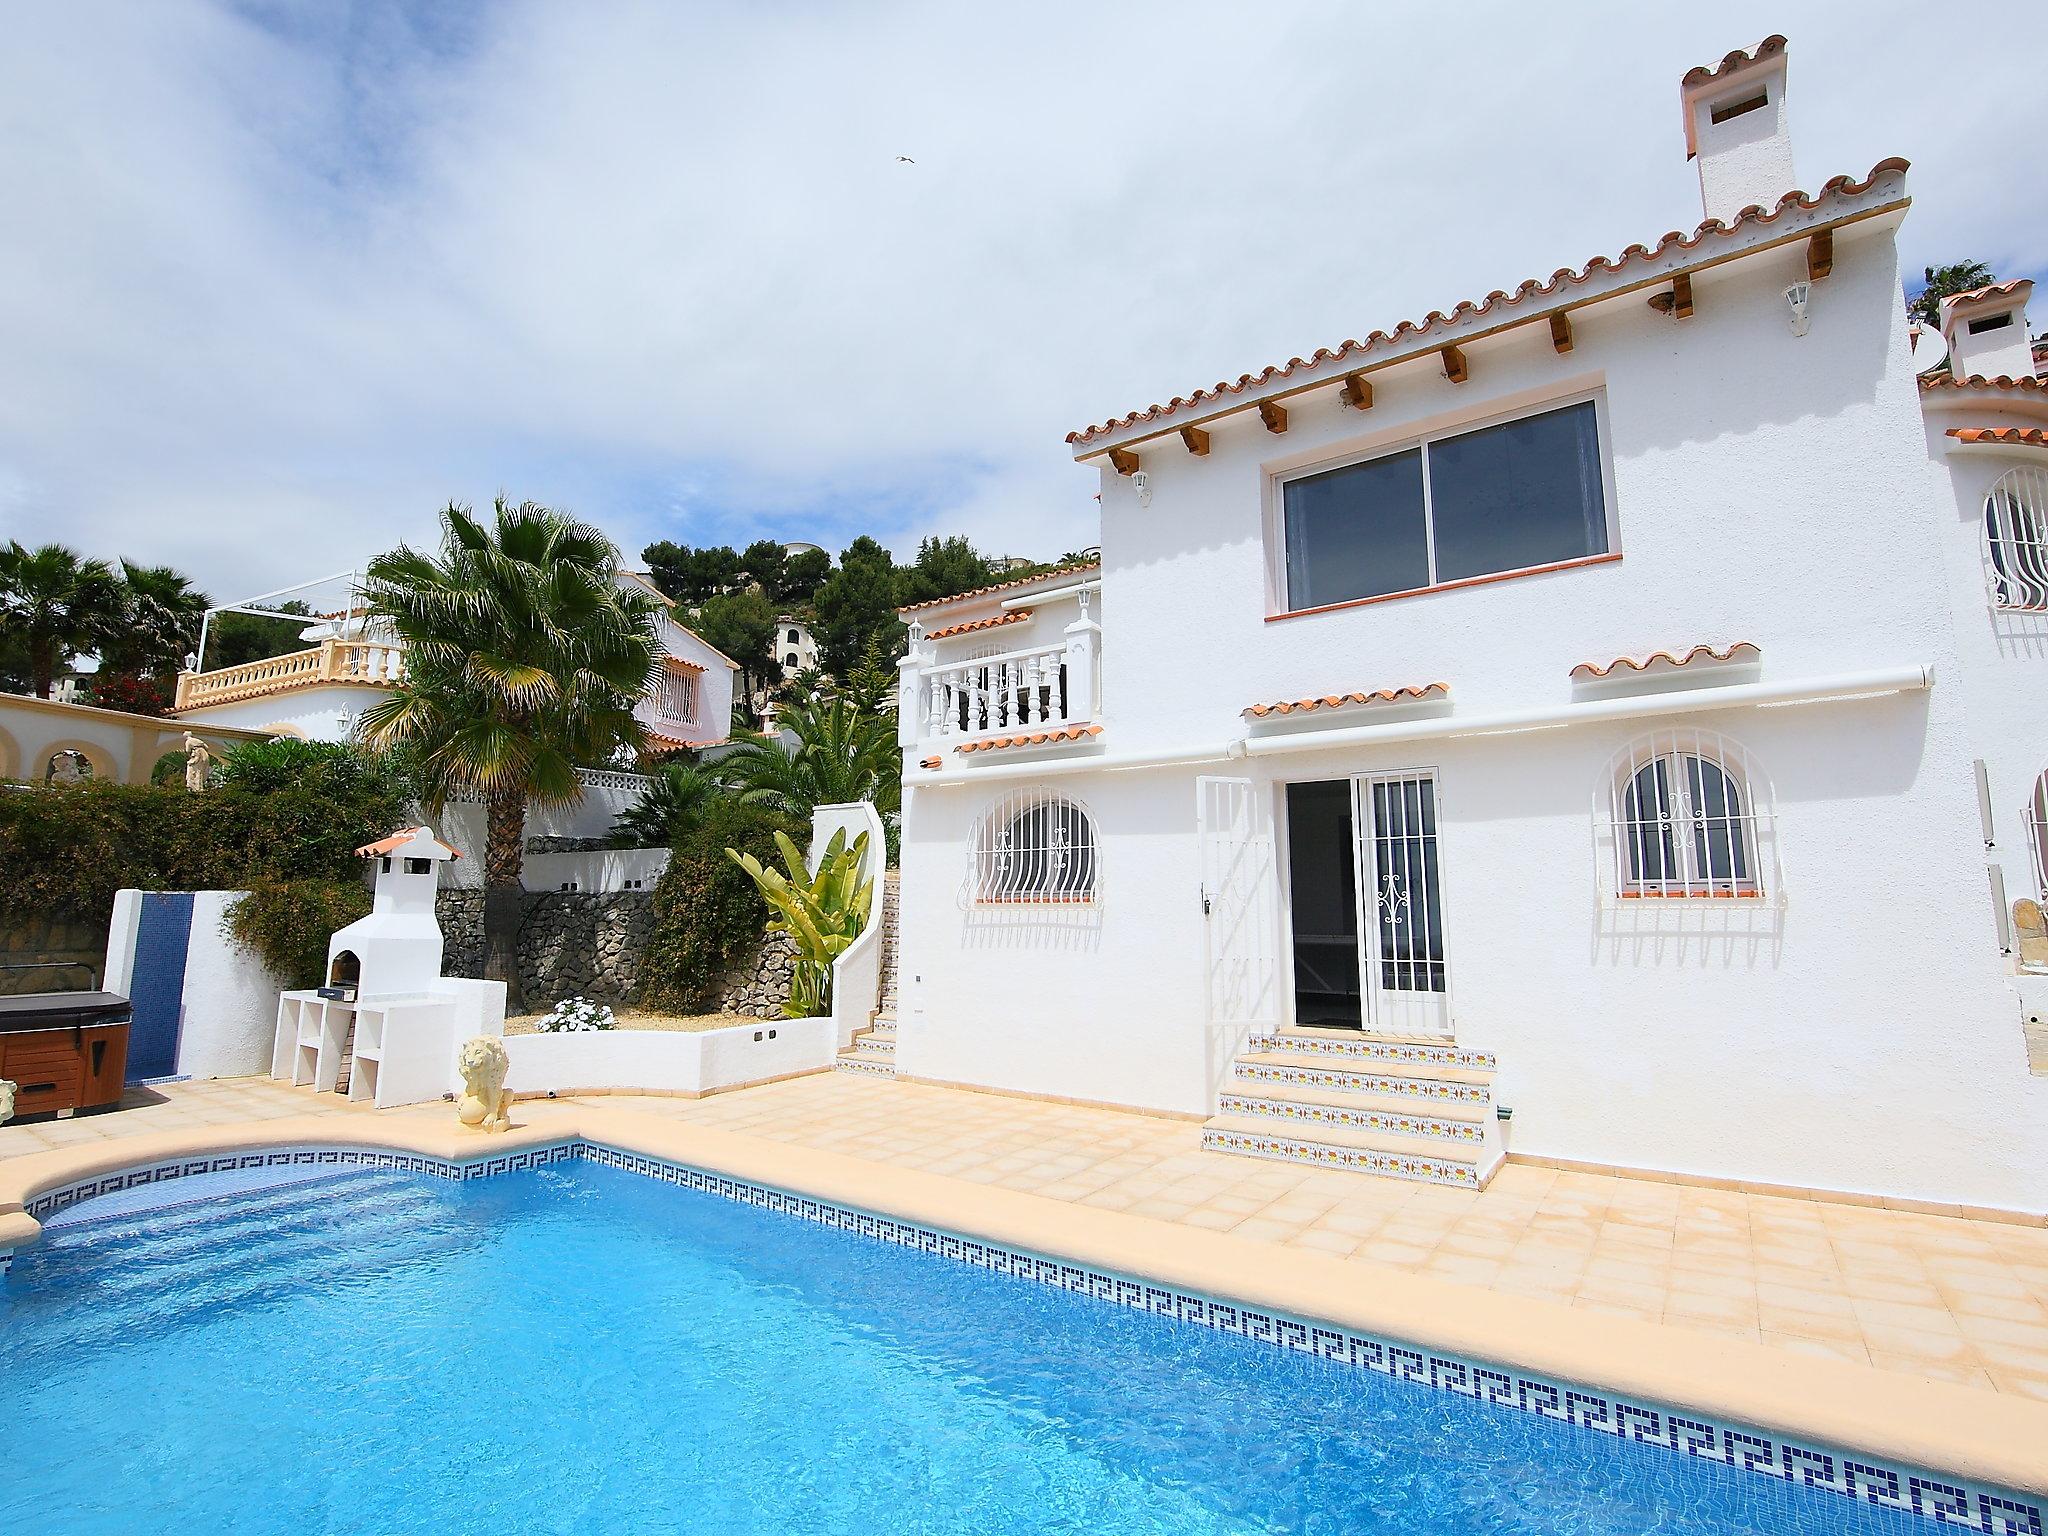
[
  {"x": 667, "y": 808},
  {"x": 523, "y": 659},
  {"x": 1957, "y": 277},
  {"x": 161, "y": 610},
  {"x": 840, "y": 755},
  {"x": 55, "y": 606}
]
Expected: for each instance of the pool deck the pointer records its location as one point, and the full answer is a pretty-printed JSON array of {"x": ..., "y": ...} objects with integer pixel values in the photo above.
[{"x": 1918, "y": 1337}]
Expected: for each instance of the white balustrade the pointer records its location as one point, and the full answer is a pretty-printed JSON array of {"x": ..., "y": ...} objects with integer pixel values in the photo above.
[{"x": 1039, "y": 688}]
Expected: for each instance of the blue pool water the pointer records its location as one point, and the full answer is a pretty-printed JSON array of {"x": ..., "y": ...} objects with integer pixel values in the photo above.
[{"x": 580, "y": 1349}]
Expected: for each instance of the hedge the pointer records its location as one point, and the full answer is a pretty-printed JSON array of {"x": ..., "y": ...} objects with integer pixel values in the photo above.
[
  {"x": 65, "y": 851},
  {"x": 288, "y": 923},
  {"x": 708, "y": 913}
]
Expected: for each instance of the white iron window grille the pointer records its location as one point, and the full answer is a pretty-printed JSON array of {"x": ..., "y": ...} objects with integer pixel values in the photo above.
[
  {"x": 677, "y": 694},
  {"x": 1687, "y": 816},
  {"x": 1029, "y": 848},
  {"x": 2016, "y": 540},
  {"x": 2037, "y": 834}
]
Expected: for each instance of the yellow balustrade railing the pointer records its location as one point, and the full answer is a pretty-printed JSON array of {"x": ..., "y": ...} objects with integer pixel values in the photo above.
[{"x": 371, "y": 663}]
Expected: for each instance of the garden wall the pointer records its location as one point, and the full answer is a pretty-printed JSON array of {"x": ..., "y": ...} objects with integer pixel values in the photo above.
[{"x": 34, "y": 940}]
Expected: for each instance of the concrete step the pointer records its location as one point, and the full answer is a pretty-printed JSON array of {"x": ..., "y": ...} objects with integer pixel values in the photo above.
[
  {"x": 1311, "y": 1111},
  {"x": 1352, "y": 1045},
  {"x": 1380, "y": 1152},
  {"x": 1438, "y": 1085}
]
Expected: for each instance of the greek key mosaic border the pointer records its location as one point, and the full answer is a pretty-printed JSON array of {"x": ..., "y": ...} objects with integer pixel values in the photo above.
[
  {"x": 1950, "y": 1503},
  {"x": 1941, "y": 1500},
  {"x": 1412, "y": 1053}
]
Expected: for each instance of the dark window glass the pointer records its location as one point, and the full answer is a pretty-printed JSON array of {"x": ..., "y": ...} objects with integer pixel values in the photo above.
[
  {"x": 1356, "y": 532},
  {"x": 419, "y": 866},
  {"x": 1520, "y": 494}
]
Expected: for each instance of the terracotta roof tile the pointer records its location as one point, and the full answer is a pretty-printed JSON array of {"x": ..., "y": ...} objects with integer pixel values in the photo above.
[
  {"x": 1978, "y": 381},
  {"x": 1741, "y": 650},
  {"x": 931, "y": 762},
  {"x": 669, "y": 742},
  {"x": 1034, "y": 739},
  {"x": 1563, "y": 277},
  {"x": 1002, "y": 586},
  {"x": 1987, "y": 290},
  {"x": 1018, "y": 616},
  {"x": 2017, "y": 437},
  {"x": 1346, "y": 700},
  {"x": 1700, "y": 74},
  {"x": 399, "y": 839}
]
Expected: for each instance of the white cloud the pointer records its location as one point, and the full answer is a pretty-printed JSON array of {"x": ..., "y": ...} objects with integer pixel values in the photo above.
[{"x": 275, "y": 286}]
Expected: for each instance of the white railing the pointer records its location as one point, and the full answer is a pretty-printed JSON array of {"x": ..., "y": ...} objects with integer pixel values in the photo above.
[
  {"x": 374, "y": 663},
  {"x": 1041, "y": 687}
]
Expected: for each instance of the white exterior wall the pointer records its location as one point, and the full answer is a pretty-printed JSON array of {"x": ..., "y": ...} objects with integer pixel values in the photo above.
[
  {"x": 713, "y": 718},
  {"x": 229, "y": 1003},
  {"x": 320, "y": 713},
  {"x": 1764, "y": 487}
]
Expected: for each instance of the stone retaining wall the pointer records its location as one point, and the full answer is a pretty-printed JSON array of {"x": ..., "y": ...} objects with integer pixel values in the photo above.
[{"x": 759, "y": 985}]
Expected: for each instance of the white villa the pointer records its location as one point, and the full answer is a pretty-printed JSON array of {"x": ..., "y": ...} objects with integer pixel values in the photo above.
[
  {"x": 351, "y": 660},
  {"x": 1601, "y": 723}
]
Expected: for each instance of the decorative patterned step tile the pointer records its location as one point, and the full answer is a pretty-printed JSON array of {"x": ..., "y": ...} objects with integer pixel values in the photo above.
[
  {"x": 1296, "y": 1149},
  {"x": 1372, "y": 1048},
  {"x": 864, "y": 1065},
  {"x": 1362, "y": 1080},
  {"x": 1353, "y": 1118}
]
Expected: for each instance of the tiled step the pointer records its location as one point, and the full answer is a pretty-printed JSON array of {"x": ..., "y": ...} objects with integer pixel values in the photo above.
[
  {"x": 883, "y": 1025},
  {"x": 1310, "y": 1111},
  {"x": 847, "y": 1062},
  {"x": 1350, "y": 1045},
  {"x": 1438, "y": 1085},
  {"x": 1394, "y": 1156}
]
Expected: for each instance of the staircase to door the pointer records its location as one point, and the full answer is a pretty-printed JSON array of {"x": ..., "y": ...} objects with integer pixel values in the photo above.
[
  {"x": 874, "y": 1049},
  {"x": 1409, "y": 1108}
]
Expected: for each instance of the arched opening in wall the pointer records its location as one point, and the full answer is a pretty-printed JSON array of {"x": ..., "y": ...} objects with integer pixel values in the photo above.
[
  {"x": 345, "y": 970},
  {"x": 10, "y": 757},
  {"x": 1687, "y": 817},
  {"x": 1034, "y": 849},
  {"x": 2016, "y": 540},
  {"x": 68, "y": 765}
]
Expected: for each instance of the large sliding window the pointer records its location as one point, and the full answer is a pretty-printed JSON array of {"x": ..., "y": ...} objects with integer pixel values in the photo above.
[{"x": 1515, "y": 496}]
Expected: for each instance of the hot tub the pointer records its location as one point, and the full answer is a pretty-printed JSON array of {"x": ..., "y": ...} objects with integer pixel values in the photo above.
[{"x": 64, "y": 1050}]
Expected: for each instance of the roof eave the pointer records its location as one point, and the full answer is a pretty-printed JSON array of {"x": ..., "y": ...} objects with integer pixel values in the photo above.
[{"x": 1881, "y": 194}]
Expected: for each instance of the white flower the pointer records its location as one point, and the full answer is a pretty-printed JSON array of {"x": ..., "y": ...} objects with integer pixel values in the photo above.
[{"x": 576, "y": 1015}]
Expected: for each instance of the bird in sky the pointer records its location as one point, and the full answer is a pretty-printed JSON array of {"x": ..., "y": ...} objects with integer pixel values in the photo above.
[{"x": 905, "y": 160}]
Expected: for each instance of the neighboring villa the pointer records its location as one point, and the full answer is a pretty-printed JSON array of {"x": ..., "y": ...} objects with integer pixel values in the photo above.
[
  {"x": 1617, "y": 703},
  {"x": 351, "y": 659}
]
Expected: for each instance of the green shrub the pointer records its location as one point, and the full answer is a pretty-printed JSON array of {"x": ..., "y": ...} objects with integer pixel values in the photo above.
[
  {"x": 66, "y": 850},
  {"x": 288, "y": 923},
  {"x": 335, "y": 768},
  {"x": 168, "y": 769},
  {"x": 708, "y": 913}
]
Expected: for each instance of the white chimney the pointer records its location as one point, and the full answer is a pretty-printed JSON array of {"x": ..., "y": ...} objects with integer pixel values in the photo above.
[
  {"x": 1737, "y": 131},
  {"x": 1986, "y": 332},
  {"x": 396, "y": 950}
]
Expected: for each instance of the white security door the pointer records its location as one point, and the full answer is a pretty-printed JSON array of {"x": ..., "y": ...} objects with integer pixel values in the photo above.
[
  {"x": 1401, "y": 906},
  {"x": 1239, "y": 935}
]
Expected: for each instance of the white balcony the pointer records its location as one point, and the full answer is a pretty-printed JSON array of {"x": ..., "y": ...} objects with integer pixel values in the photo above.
[{"x": 1042, "y": 687}]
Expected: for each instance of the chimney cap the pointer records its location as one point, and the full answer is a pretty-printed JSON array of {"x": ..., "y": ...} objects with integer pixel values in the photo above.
[
  {"x": 2017, "y": 288},
  {"x": 1733, "y": 68},
  {"x": 418, "y": 843}
]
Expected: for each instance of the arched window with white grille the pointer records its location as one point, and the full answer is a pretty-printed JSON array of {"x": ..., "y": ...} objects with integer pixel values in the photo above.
[
  {"x": 1685, "y": 815},
  {"x": 2016, "y": 540},
  {"x": 2037, "y": 835},
  {"x": 1031, "y": 848}
]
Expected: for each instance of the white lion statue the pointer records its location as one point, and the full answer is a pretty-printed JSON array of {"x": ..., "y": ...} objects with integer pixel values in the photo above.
[
  {"x": 484, "y": 1101},
  {"x": 6, "y": 1101}
]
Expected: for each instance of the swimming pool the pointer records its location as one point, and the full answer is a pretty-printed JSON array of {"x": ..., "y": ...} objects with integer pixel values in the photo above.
[{"x": 574, "y": 1347}]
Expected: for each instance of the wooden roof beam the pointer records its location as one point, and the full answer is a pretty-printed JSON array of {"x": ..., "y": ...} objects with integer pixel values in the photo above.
[
  {"x": 1123, "y": 461},
  {"x": 1274, "y": 415},
  {"x": 1358, "y": 391},
  {"x": 1677, "y": 301},
  {"x": 1561, "y": 332},
  {"x": 1820, "y": 255},
  {"x": 1454, "y": 365},
  {"x": 1196, "y": 439}
]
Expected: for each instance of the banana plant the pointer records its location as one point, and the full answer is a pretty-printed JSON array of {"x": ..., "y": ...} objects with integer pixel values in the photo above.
[{"x": 823, "y": 910}]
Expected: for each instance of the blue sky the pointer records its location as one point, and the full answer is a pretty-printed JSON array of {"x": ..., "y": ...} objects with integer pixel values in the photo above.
[{"x": 280, "y": 279}]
